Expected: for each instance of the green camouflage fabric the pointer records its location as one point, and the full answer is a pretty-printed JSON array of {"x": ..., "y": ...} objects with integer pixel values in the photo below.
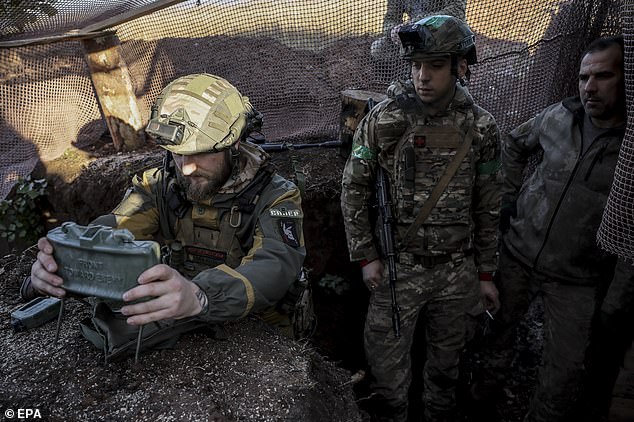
[
  {"x": 400, "y": 12},
  {"x": 466, "y": 216},
  {"x": 437, "y": 35},
  {"x": 415, "y": 149},
  {"x": 442, "y": 294},
  {"x": 418, "y": 9},
  {"x": 264, "y": 254}
]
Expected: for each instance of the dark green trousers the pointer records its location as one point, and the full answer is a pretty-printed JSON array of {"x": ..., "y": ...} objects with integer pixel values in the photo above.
[
  {"x": 568, "y": 314},
  {"x": 443, "y": 294}
]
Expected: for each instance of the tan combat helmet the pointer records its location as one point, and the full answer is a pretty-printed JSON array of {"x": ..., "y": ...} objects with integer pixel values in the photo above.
[
  {"x": 200, "y": 113},
  {"x": 437, "y": 35}
]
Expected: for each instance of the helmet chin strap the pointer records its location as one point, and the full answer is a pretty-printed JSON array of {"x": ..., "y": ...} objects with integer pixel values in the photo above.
[
  {"x": 463, "y": 80},
  {"x": 234, "y": 157}
]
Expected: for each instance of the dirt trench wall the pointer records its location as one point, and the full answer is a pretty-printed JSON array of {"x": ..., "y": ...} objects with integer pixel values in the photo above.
[{"x": 339, "y": 295}]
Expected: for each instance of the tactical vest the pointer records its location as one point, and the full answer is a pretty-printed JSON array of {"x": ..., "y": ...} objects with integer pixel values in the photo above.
[
  {"x": 199, "y": 237},
  {"x": 202, "y": 236},
  {"x": 417, "y": 159}
]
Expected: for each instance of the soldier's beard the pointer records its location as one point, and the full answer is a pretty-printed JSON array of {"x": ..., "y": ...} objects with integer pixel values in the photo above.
[{"x": 198, "y": 189}]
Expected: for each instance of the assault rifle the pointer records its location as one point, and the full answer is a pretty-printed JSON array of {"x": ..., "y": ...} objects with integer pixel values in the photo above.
[
  {"x": 283, "y": 146},
  {"x": 387, "y": 242}
]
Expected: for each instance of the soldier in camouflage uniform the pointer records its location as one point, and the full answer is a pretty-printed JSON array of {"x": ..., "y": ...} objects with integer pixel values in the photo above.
[
  {"x": 413, "y": 135},
  {"x": 415, "y": 10},
  {"x": 549, "y": 224},
  {"x": 233, "y": 225}
]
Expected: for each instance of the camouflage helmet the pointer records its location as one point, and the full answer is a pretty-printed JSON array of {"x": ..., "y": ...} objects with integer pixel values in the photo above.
[
  {"x": 201, "y": 113},
  {"x": 437, "y": 35}
]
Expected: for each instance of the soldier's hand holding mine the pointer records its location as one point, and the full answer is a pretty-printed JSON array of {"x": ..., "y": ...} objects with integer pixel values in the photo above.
[
  {"x": 173, "y": 295},
  {"x": 43, "y": 277}
]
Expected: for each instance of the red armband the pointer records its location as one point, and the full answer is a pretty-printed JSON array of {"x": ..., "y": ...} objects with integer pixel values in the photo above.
[
  {"x": 485, "y": 276},
  {"x": 363, "y": 263}
]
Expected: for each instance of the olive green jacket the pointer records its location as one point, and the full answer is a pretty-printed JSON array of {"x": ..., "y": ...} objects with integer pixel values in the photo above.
[
  {"x": 253, "y": 267},
  {"x": 559, "y": 207}
]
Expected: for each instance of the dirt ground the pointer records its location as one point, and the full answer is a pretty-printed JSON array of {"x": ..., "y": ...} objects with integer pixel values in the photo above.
[
  {"x": 70, "y": 381},
  {"x": 250, "y": 373}
]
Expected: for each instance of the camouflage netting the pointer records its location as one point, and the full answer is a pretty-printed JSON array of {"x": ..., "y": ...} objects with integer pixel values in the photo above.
[
  {"x": 616, "y": 233},
  {"x": 293, "y": 59}
]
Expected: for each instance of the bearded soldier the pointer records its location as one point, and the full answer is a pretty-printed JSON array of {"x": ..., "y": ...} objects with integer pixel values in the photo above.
[
  {"x": 440, "y": 151},
  {"x": 233, "y": 225}
]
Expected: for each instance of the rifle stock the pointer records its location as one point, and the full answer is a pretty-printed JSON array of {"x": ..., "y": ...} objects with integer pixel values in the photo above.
[{"x": 387, "y": 242}]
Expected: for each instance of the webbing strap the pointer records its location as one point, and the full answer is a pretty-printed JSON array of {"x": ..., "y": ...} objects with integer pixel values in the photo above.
[
  {"x": 231, "y": 221},
  {"x": 438, "y": 190},
  {"x": 244, "y": 203},
  {"x": 300, "y": 177}
]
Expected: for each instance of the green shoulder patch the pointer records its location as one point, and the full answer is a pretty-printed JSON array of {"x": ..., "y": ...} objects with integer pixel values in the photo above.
[
  {"x": 435, "y": 21},
  {"x": 490, "y": 167},
  {"x": 363, "y": 153}
]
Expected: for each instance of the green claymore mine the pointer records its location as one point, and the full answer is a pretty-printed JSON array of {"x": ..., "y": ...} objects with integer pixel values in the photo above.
[{"x": 100, "y": 261}]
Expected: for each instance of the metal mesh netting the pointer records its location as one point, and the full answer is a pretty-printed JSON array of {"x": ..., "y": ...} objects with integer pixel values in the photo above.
[
  {"x": 292, "y": 58},
  {"x": 46, "y": 104},
  {"x": 616, "y": 233},
  {"x": 30, "y": 18}
]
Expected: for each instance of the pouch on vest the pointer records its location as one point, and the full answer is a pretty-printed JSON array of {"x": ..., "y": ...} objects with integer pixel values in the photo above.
[
  {"x": 298, "y": 305},
  {"x": 109, "y": 331}
]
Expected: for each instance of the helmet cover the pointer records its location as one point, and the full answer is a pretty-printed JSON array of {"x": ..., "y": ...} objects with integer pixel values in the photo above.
[
  {"x": 200, "y": 113},
  {"x": 437, "y": 35}
]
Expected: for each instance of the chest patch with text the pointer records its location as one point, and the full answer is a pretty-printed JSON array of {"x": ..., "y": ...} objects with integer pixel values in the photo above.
[{"x": 205, "y": 256}]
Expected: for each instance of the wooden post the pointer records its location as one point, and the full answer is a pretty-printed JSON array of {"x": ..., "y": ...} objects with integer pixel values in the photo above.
[
  {"x": 353, "y": 104},
  {"x": 115, "y": 93}
]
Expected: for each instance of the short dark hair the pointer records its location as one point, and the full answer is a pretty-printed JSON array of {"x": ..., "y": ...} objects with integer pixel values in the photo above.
[{"x": 601, "y": 44}]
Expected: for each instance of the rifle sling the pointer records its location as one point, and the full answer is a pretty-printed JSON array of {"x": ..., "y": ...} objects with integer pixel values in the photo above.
[{"x": 438, "y": 190}]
